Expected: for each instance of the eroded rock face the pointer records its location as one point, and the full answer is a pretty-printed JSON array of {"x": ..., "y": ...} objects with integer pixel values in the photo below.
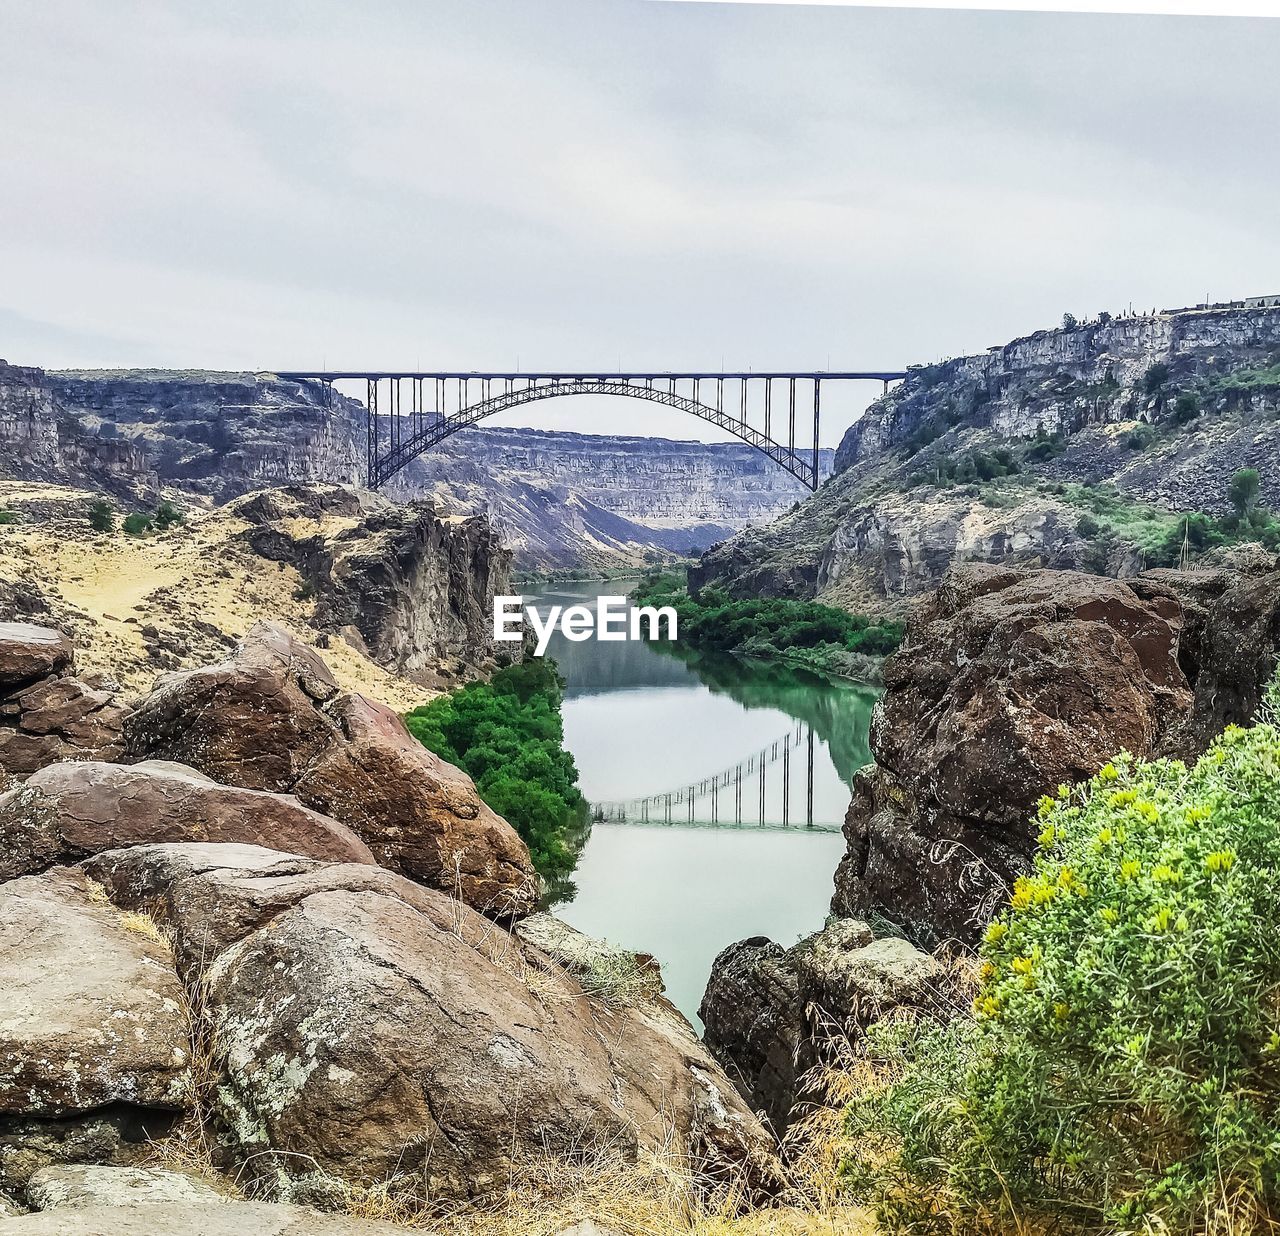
[
  {"x": 366, "y": 1027},
  {"x": 1009, "y": 684},
  {"x": 273, "y": 718},
  {"x": 770, "y": 1012},
  {"x": 91, "y": 1012},
  {"x": 68, "y": 811},
  {"x": 46, "y": 714}
]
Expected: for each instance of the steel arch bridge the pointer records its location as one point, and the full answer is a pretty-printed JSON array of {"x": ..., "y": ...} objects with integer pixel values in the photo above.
[{"x": 778, "y": 414}]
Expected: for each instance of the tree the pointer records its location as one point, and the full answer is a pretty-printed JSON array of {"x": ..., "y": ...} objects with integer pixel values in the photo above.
[
  {"x": 1244, "y": 491},
  {"x": 1069, "y": 321},
  {"x": 137, "y": 524},
  {"x": 102, "y": 518}
]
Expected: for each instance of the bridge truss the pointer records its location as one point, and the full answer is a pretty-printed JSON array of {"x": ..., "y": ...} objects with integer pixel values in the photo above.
[
  {"x": 735, "y": 795},
  {"x": 779, "y": 414}
]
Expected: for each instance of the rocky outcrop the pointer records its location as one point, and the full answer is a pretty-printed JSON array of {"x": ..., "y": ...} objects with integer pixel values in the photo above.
[
  {"x": 77, "y": 1186},
  {"x": 273, "y": 718},
  {"x": 411, "y": 588},
  {"x": 66, "y": 812},
  {"x": 1011, "y": 683},
  {"x": 978, "y": 459},
  {"x": 367, "y": 1029},
  {"x": 771, "y": 1013},
  {"x": 47, "y": 714},
  {"x": 91, "y": 1012}
]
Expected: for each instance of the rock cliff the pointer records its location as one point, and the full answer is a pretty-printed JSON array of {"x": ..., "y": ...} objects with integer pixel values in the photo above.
[
  {"x": 557, "y": 499},
  {"x": 1010, "y": 683},
  {"x": 1072, "y": 448}
]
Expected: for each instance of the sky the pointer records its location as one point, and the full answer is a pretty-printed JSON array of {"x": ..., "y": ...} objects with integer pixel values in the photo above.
[{"x": 603, "y": 184}]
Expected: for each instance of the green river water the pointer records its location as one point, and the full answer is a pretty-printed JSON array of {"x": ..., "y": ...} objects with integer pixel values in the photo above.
[{"x": 643, "y": 722}]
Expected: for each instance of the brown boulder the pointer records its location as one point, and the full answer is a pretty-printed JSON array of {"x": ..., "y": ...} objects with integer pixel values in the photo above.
[
  {"x": 367, "y": 1028},
  {"x": 273, "y": 718},
  {"x": 772, "y": 1014},
  {"x": 67, "y": 811},
  {"x": 45, "y": 714},
  {"x": 91, "y": 1011},
  {"x": 29, "y": 652},
  {"x": 1009, "y": 683}
]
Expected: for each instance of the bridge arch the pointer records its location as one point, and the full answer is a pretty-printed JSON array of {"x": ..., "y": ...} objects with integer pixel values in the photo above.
[{"x": 778, "y": 414}]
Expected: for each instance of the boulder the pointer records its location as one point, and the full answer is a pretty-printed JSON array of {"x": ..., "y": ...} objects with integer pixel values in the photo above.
[
  {"x": 273, "y": 718},
  {"x": 1230, "y": 641},
  {"x": 1008, "y": 684},
  {"x": 91, "y": 1011},
  {"x": 365, "y": 1028},
  {"x": 46, "y": 714},
  {"x": 78, "y": 1186},
  {"x": 772, "y": 1014},
  {"x": 70, "y": 810},
  {"x": 28, "y": 652},
  {"x": 193, "y": 1219}
]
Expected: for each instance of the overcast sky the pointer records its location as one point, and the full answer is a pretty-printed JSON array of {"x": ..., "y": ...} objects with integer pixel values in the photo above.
[{"x": 483, "y": 183}]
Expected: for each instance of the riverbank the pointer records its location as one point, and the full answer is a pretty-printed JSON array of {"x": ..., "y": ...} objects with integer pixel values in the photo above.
[{"x": 802, "y": 633}]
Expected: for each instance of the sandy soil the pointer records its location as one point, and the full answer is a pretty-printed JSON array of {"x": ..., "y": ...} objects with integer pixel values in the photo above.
[{"x": 138, "y": 606}]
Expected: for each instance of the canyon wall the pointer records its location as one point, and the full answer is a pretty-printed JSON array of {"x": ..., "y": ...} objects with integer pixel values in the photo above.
[
  {"x": 557, "y": 499},
  {"x": 1073, "y": 448}
]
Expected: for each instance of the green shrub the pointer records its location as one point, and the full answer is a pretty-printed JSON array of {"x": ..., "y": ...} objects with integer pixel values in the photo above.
[
  {"x": 1121, "y": 1071},
  {"x": 167, "y": 515},
  {"x": 136, "y": 523},
  {"x": 1156, "y": 376},
  {"x": 507, "y": 734},
  {"x": 10, "y": 517},
  {"x": 769, "y": 627},
  {"x": 1186, "y": 407},
  {"x": 1244, "y": 491},
  {"x": 102, "y": 516}
]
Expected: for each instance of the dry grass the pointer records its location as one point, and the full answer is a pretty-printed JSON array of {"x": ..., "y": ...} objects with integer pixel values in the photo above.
[{"x": 655, "y": 1196}]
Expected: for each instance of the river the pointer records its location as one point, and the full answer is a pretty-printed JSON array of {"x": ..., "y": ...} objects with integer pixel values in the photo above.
[{"x": 643, "y": 724}]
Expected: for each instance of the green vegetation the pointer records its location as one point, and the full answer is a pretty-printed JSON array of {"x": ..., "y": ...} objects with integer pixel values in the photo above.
[
  {"x": 10, "y": 517},
  {"x": 1120, "y": 1070},
  {"x": 167, "y": 516},
  {"x": 102, "y": 516},
  {"x": 136, "y": 523},
  {"x": 804, "y": 632},
  {"x": 508, "y": 735}
]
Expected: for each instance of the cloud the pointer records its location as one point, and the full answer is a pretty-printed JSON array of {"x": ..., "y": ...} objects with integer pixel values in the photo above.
[{"x": 604, "y": 182}]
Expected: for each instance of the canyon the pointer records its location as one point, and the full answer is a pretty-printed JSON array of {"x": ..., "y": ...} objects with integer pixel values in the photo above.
[
  {"x": 558, "y": 500},
  {"x": 1075, "y": 448}
]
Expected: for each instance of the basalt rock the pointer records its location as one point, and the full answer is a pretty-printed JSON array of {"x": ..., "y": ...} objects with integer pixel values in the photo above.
[
  {"x": 771, "y": 1013},
  {"x": 1011, "y": 683},
  {"x": 273, "y": 718},
  {"x": 46, "y": 714},
  {"x": 91, "y": 1012},
  {"x": 66, "y": 812},
  {"x": 365, "y": 1028}
]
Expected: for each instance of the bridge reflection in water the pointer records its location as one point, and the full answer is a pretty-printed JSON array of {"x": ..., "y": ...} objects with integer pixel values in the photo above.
[{"x": 736, "y": 796}]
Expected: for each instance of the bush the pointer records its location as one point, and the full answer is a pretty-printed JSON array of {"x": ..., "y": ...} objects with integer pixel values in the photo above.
[
  {"x": 1122, "y": 1067},
  {"x": 10, "y": 517},
  {"x": 1186, "y": 407},
  {"x": 507, "y": 734},
  {"x": 1156, "y": 376},
  {"x": 102, "y": 516},
  {"x": 1244, "y": 491},
  {"x": 168, "y": 515},
  {"x": 136, "y": 523},
  {"x": 769, "y": 627}
]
